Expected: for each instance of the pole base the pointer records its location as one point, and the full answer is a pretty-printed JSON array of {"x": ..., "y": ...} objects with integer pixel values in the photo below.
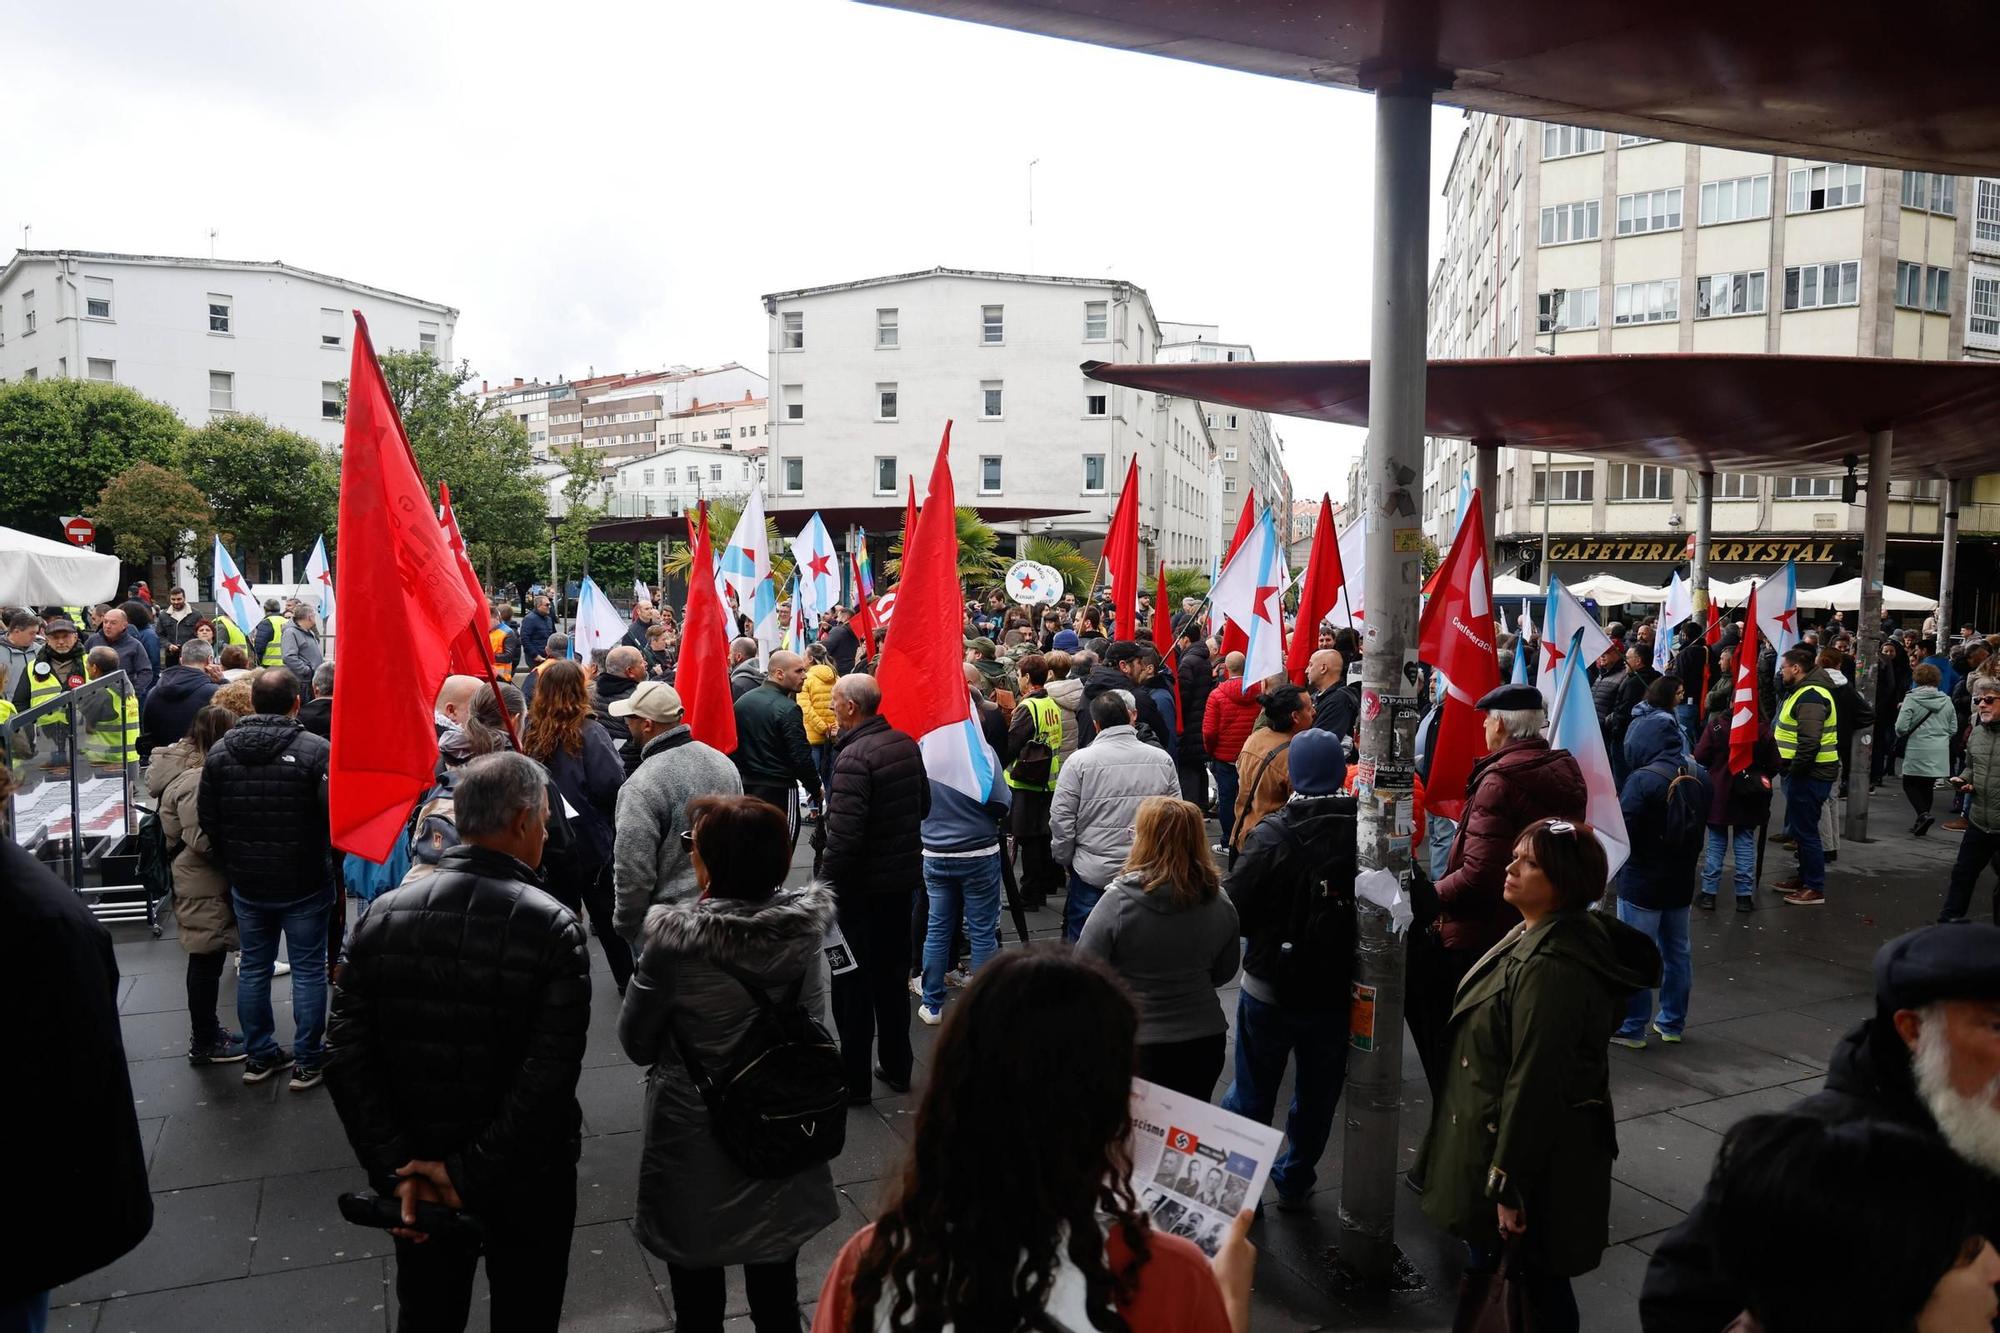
[{"x": 1403, "y": 1275}]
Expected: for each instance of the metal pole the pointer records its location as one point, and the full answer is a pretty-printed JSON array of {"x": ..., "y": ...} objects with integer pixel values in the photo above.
[
  {"x": 1392, "y": 468},
  {"x": 1486, "y": 480},
  {"x": 1948, "y": 567},
  {"x": 1868, "y": 634},
  {"x": 1548, "y": 487},
  {"x": 1704, "y": 530}
]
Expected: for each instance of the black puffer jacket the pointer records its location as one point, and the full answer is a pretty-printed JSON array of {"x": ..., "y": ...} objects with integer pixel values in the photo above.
[
  {"x": 876, "y": 803},
  {"x": 1196, "y": 673},
  {"x": 458, "y": 1027},
  {"x": 1104, "y": 679},
  {"x": 1293, "y": 886},
  {"x": 263, "y": 806},
  {"x": 608, "y": 690}
]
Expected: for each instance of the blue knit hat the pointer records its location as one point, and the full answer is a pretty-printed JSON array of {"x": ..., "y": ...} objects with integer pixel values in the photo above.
[{"x": 1317, "y": 763}]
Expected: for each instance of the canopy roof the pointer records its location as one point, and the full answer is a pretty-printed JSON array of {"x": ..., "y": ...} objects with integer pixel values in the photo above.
[
  {"x": 1705, "y": 411},
  {"x": 1849, "y": 80},
  {"x": 35, "y": 571},
  {"x": 870, "y": 518}
]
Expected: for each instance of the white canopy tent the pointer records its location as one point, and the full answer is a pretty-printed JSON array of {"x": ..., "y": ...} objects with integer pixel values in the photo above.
[
  {"x": 1847, "y": 597},
  {"x": 1506, "y": 585},
  {"x": 1610, "y": 590},
  {"x": 35, "y": 571}
]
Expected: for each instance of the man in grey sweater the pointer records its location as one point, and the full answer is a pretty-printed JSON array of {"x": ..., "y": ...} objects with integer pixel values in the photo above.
[
  {"x": 1096, "y": 804},
  {"x": 649, "y": 864}
]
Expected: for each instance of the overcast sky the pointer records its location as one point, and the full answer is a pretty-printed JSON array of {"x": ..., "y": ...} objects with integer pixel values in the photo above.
[{"x": 614, "y": 185}]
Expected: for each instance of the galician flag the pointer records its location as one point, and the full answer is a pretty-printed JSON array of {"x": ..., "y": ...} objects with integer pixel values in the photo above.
[
  {"x": 599, "y": 627},
  {"x": 795, "y": 629},
  {"x": 319, "y": 586},
  {"x": 745, "y": 569},
  {"x": 1679, "y": 607},
  {"x": 232, "y": 593},
  {"x": 1248, "y": 595},
  {"x": 1563, "y": 620},
  {"x": 1523, "y": 645},
  {"x": 1573, "y": 726},
  {"x": 817, "y": 562},
  {"x": 1777, "y": 617}
]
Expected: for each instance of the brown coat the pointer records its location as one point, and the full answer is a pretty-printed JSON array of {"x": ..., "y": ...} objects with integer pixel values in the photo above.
[
  {"x": 202, "y": 911},
  {"x": 1270, "y": 790},
  {"x": 1519, "y": 783}
]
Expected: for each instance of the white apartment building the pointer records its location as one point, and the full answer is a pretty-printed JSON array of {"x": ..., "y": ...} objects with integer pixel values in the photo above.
[
  {"x": 674, "y": 480},
  {"x": 528, "y": 402},
  {"x": 204, "y": 336},
  {"x": 1251, "y": 454},
  {"x": 866, "y": 373},
  {"x": 1561, "y": 240},
  {"x": 622, "y": 416}
]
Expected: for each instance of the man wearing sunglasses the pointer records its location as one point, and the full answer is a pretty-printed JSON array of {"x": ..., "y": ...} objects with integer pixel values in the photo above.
[{"x": 1979, "y": 777}]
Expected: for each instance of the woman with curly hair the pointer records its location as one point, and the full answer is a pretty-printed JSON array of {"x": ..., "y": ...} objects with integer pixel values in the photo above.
[
  {"x": 565, "y": 737},
  {"x": 1015, "y": 1209}
]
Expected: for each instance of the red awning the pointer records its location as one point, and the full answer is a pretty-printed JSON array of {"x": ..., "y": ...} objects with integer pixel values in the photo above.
[
  {"x": 1750, "y": 412},
  {"x": 1851, "y": 80}
]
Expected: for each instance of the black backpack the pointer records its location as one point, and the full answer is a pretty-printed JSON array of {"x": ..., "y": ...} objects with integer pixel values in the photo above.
[
  {"x": 156, "y": 857},
  {"x": 780, "y": 1103},
  {"x": 1684, "y": 817},
  {"x": 1319, "y": 917}
]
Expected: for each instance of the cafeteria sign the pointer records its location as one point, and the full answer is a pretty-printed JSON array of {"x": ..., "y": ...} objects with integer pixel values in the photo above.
[{"x": 1673, "y": 550}]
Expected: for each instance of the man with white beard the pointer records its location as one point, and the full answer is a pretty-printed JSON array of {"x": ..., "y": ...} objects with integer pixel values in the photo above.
[{"x": 1929, "y": 1060}]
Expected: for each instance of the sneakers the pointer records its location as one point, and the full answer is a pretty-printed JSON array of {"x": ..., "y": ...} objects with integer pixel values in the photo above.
[
  {"x": 311, "y": 1076},
  {"x": 1219, "y": 848},
  {"x": 281, "y": 968},
  {"x": 255, "y": 1071},
  {"x": 1806, "y": 898},
  {"x": 1670, "y": 1038},
  {"x": 226, "y": 1049},
  {"x": 1629, "y": 1043},
  {"x": 928, "y": 1016},
  {"x": 1705, "y": 901},
  {"x": 917, "y": 987},
  {"x": 1923, "y": 825},
  {"x": 958, "y": 978}
]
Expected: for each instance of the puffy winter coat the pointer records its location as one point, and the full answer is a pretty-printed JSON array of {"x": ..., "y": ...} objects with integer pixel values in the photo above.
[
  {"x": 771, "y": 741},
  {"x": 263, "y": 806},
  {"x": 1068, "y": 695},
  {"x": 649, "y": 864},
  {"x": 876, "y": 804},
  {"x": 1519, "y": 783},
  {"x": 1981, "y": 766},
  {"x": 816, "y": 701},
  {"x": 1650, "y": 731},
  {"x": 1605, "y": 689},
  {"x": 606, "y": 690},
  {"x": 1103, "y": 680},
  {"x": 1298, "y": 953},
  {"x": 1659, "y": 875},
  {"x": 1095, "y": 808},
  {"x": 1195, "y": 673},
  {"x": 458, "y": 1027},
  {"x": 696, "y": 1207},
  {"x": 205, "y": 920},
  {"x": 1725, "y": 809},
  {"x": 1227, "y": 720},
  {"x": 177, "y": 696},
  {"x": 1928, "y": 721}
]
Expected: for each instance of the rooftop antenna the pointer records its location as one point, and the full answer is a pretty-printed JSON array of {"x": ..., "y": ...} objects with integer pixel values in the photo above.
[
  {"x": 27, "y": 231},
  {"x": 1033, "y": 163},
  {"x": 212, "y": 234}
]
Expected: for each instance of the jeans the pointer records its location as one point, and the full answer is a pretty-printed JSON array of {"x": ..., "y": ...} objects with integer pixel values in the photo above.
[
  {"x": 1741, "y": 841},
  {"x": 527, "y": 1265},
  {"x": 1225, "y": 795},
  {"x": 1549, "y": 1299},
  {"x": 1804, "y": 798},
  {"x": 1976, "y": 851},
  {"x": 871, "y": 1005},
  {"x": 303, "y": 923},
  {"x": 701, "y": 1293},
  {"x": 1439, "y": 833},
  {"x": 204, "y": 988},
  {"x": 1689, "y": 716},
  {"x": 1077, "y": 903},
  {"x": 1668, "y": 929},
  {"x": 959, "y": 886},
  {"x": 1189, "y": 1067},
  {"x": 1317, "y": 1044}
]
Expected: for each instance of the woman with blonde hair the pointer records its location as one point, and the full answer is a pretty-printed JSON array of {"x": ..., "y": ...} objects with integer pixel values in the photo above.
[{"x": 1165, "y": 926}]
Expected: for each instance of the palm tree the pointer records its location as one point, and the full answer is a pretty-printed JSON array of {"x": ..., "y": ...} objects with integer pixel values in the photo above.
[
  {"x": 723, "y": 515},
  {"x": 1185, "y": 581},
  {"x": 979, "y": 560},
  {"x": 1063, "y": 557}
]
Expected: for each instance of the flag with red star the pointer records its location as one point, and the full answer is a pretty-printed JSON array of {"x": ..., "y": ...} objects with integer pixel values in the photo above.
[
  {"x": 319, "y": 586},
  {"x": 1247, "y": 594},
  {"x": 232, "y": 591},
  {"x": 817, "y": 563}
]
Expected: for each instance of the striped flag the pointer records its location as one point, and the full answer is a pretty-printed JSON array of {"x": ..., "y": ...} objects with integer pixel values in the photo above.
[{"x": 1573, "y": 726}]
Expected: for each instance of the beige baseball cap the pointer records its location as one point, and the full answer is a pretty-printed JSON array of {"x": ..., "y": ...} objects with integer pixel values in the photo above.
[{"x": 654, "y": 700}]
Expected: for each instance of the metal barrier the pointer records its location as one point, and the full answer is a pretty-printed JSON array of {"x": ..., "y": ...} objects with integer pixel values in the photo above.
[{"x": 75, "y": 764}]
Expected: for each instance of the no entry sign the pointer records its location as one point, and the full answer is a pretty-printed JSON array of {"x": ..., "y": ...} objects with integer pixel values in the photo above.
[{"x": 80, "y": 530}]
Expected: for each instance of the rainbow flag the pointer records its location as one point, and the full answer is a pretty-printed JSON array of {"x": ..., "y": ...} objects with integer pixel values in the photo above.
[{"x": 864, "y": 572}]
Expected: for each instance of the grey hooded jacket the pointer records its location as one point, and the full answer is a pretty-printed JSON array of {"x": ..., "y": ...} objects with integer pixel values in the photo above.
[
  {"x": 649, "y": 864},
  {"x": 1173, "y": 958}
]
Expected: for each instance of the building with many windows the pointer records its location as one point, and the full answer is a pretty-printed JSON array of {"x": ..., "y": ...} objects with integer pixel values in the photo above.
[
  {"x": 865, "y": 375},
  {"x": 207, "y": 337},
  {"x": 621, "y": 416},
  {"x": 1561, "y": 240},
  {"x": 1251, "y": 455}
]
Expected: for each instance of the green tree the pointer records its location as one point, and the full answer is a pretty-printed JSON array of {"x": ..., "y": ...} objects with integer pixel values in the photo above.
[
  {"x": 273, "y": 490},
  {"x": 152, "y": 511},
  {"x": 1184, "y": 581},
  {"x": 580, "y": 509},
  {"x": 1065, "y": 558},
  {"x": 484, "y": 456},
  {"x": 979, "y": 561},
  {"x": 724, "y": 512},
  {"x": 62, "y": 440}
]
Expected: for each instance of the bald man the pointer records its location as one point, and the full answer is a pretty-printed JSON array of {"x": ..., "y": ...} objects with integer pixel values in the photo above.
[
  {"x": 744, "y": 673},
  {"x": 1336, "y": 704},
  {"x": 771, "y": 750},
  {"x": 454, "y": 701}
]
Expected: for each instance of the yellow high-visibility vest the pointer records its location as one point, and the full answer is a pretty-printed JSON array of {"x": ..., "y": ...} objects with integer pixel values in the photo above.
[{"x": 1786, "y": 729}]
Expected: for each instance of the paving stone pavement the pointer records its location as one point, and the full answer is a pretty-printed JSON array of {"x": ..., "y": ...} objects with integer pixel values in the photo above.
[{"x": 246, "y": 1234}]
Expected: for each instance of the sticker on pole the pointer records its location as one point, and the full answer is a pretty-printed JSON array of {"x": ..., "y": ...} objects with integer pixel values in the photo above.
[
  {"x": 1409, "y": 541},
  {"x": 1361, "y": 1018}
]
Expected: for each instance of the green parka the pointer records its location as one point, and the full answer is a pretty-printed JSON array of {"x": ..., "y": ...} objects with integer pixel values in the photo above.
[{"x": 1525, "y": 1118}]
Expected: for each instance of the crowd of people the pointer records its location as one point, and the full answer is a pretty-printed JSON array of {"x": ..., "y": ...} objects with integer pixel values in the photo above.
[{"x": 443, "y": 995}]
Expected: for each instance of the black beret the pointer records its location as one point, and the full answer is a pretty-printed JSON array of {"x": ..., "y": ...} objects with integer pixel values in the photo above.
[
  {"x": 1960, "y": 961},
  {"x": 1511, "y": 697}
]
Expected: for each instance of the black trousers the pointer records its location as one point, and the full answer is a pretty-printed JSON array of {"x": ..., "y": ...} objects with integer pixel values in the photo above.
[
  {"x": 527, "y": 1266},
  {"x": 1028, "y": 821},
  {"x": 1976, "y": 851},
  {"x": 1921, "y": 793},
  {"x": 1434, "y": 974},
  {"x": 871, "y": 1005},
  {"x": 1193, "y": 774},
  {"x": 204, "y": 986},
  {"x": 587, "y": 891},
  {"x": 1190, "y": 1067},
  {"x": 786, "y": 798},
  {"x": 699, "y": 1296}
]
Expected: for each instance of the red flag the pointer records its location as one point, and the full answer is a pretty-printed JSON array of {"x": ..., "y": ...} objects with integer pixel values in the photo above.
[
  {"x": 470, "y": 654},
  {"x": 1712, "y": 636},
  {"x": 1163, "y": 639},
  {"x": 1318, "y": 594},
  {"x": 923, "y": 662},
  {"x": 1121, "y": 558},
  {"x": 1456, "y": 637},
  {"x": 1745, "y": 721},
  {"x": 1234, "y": 640},
  {"x": 910, "y": 514},
  {"x": 398, "y": 583},
  {"x": 703, "y": 675}
]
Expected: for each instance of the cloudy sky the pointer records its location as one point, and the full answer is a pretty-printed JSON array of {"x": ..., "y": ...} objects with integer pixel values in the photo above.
[{"x": 614, "y": 185}]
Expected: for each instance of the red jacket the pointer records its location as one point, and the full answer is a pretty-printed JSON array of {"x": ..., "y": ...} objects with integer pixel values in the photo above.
[
  {"x": 1519, "y": 783},
  {"x": 1227, "y": 720}
]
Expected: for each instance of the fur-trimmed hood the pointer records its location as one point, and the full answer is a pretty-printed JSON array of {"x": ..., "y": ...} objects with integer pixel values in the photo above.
[{"x": 734, "y": 931}]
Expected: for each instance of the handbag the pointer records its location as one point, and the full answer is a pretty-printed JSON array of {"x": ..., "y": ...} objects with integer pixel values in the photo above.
[
  {"x": 1901, "y": 742},
  {"x": 1494, "y": 1302}
]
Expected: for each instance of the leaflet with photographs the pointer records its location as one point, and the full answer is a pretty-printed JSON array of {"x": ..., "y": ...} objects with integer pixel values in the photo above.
[{"x": 1196, "y": 1166}]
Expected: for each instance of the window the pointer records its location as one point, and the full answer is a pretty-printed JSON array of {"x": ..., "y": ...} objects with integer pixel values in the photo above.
[
  {"x": 885, "y": 475},
  {"x": 991, "y": 399},
  {"x": 887, "y": 331},
  {"x": 97, "y": 298},
  {"x": 101, "y": 370},
  {"x": 1921, "y": 289},
  {"x": 1569, "y": 140},
  {"x": 1569, "y": 483},
  {"x": 27, "y": 313},
  {"x": 1229, "y": 485},
  {"x": 427, "y": 338},
  {"x": 1647, "y": 302},
  {"x": 1986, "y": 212},
  {"x": 749, "y": 432},
  {"x": 795, "y": 474},
  {"x": 1983, "y": 311},
  {"x": 991, "y": 325},
  {"x": 1813, "y": 189},
  {"x": 1722, "y": 294},
  {"x": 646, "y": 477},
  {"x": 30, "y": 375},
  {"x": 1812, "y": 286},
  {"x": 721, "y": 433},
  {"x": 1803, "y": 488},
  {"x": 219, "y": 308},
  {"x": 1093, "y": 405},
  {"x": 1652, "y": 210},
  {"x": 792, "y": 338},
  {"x": 1566, "y": 310},
  {"x": 1563, "y": 223},
  {"x": 1734, "y": 486},
  {"x": 1096, "y": 321},
  {"x": 1229, "y": 455},
  {"x": 715, "y": 472},
  {"x": 221, "y": 391},
  {"x": 1634, "y": 140},
  {"x": 1641, "y": 481},
  {"x": 1093, "y": 474},
  {"x": 670, "y": 476},
  {"x": 1934, "y": 192},
  {"x": 1735, "y": 200},
  {"x": 989, "y": 474},
  {"x": 1231, "y": 419},
  {"x": 329, "y": 400},
  {"x": 885, "y": 402},
  {"x": 795, "y": 402}
]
